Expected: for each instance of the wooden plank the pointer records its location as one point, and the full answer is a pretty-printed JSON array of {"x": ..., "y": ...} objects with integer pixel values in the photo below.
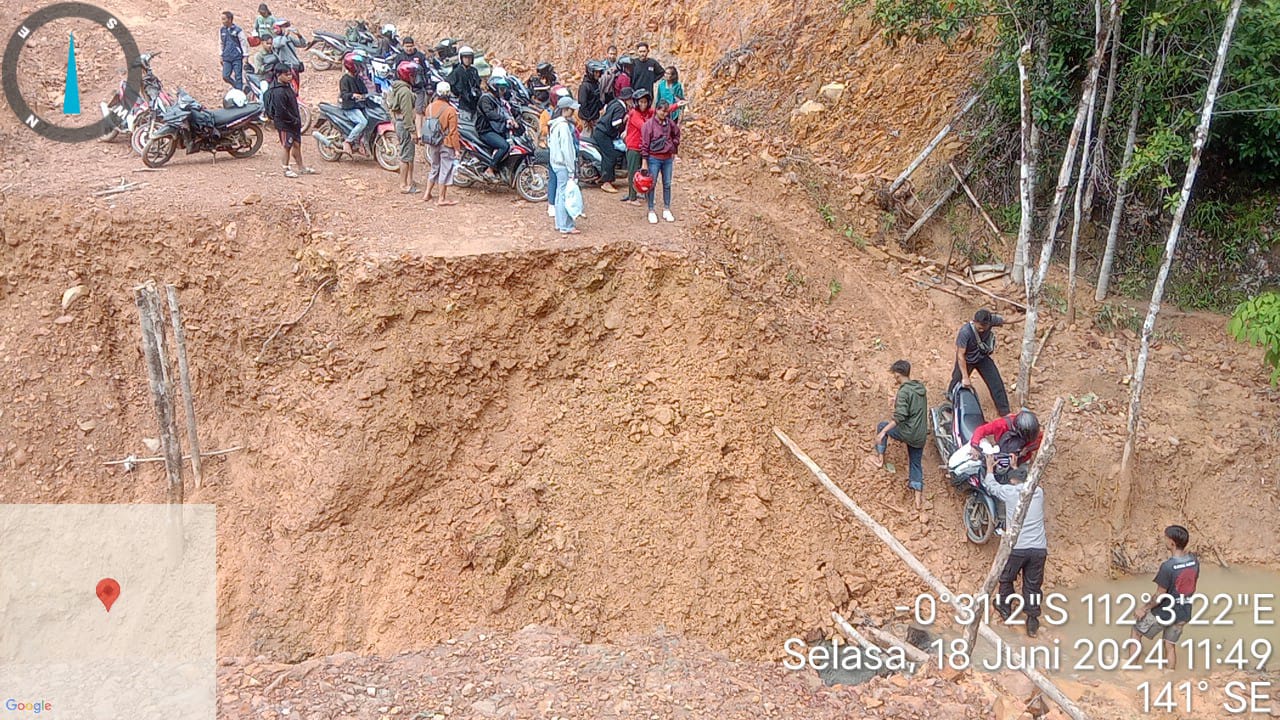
[{"x": 157, "y": 361}]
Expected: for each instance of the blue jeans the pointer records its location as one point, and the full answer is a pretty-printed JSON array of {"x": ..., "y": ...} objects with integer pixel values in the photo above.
[
  {"x": 915, "y": 457},
  {"x": 661, "y": 168},
  {"x": 564, "y": 222},
  {"x": 553, "y": 182},
  {"x": 233, "y": 73},
  {"x": 357, "y": 116},
  {"x": 498, "y": 144}
]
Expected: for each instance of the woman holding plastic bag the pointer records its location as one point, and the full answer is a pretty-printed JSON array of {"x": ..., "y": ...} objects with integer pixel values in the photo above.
[{"x": 564, "y": 162}]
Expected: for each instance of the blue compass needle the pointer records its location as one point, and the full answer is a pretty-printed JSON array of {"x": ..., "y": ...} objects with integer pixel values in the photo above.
[{"x": 71, "y": 96}]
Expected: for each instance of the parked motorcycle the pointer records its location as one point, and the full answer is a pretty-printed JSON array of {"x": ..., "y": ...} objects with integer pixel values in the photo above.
[
  {"x": 189, "y": 125},
  {"x": 327, "y": 49},
  {"x": 520, "y": 169},
  {"x": 379, "y": 137},
  {"x": 255, "y": 86},
  {"x": 954, "y": 423},
  {"x": 136, "y": 119}
]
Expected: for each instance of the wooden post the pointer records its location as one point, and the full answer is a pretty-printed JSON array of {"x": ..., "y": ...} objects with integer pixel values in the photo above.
[
  {"x": 933, "y": 144},
  {"x": 916, "y": 654},
  {"x": 157, "y": 360},
  {"x": 184, "y": 376},
  {"x": 940, "y": 590},
  {"x": 974, "y": 199},
  {"x": 849, "y": 631},
  {"x": 933, "y": 209},
  {"x": 1011, "y": 533}
]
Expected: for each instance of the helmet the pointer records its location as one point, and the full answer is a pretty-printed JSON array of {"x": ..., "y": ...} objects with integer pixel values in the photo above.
[
  {"x": 499, "y": 72},
  {"x": 498, "y": 81},
  {"x": 443, "y": 88},
  {"x": 407, "y": 71},
  {"x": 388, "y": 29},
  {"x": 545, "y": 68},
  {"x": 626, "y": 60},
  {"x": 279, "y": 26},
  {"x": 595, "y": 66},
  {"x": 351, "y": 62},
  {"x": 637, "y": 95},
  {"x": 234, "y": 99},
  {"x": 561, "y": 91},
  {"x": 1027, "y": 424},
  {"x": 466, "y": 51},
  {"x": 642, "y": 181}
]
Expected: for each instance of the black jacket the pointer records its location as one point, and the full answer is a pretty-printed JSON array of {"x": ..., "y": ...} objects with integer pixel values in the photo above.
[
  {"x": 589, "y": 100},
  {"x": 491, "y": 116},
  {"x": 613, "y": 121},
  {"x": 419, "y": 81},
  {"x": 281, "y": 105},
  {"x": 645, "y": 74},
  {"x": 349, "y": 85},
  {"x": 465, "y": 82}
]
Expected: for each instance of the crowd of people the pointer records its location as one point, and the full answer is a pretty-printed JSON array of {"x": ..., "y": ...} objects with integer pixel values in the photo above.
[{"x": 628, "y": 107}]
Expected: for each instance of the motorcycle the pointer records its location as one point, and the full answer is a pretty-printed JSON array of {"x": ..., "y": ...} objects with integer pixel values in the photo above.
[
  {"x": 326, "y": 50},
  {"x": 520, "y": 169},
  {"x": 954, "y": 424},
  {"x": 136, "y": 120},
  {"x": 189, "y": 125},
  {"x": 379, "y": 137}
]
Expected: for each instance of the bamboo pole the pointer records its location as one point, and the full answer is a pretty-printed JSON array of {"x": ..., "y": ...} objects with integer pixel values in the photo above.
[
  {"x": 849, "y": 630},
  {"x": 974, "y": 199},
  {"x": 933, "y": 144},
  {"x": 1045, "y": 685},
  {"x": 1015, "y": 528},
  {"x": 914, "y": 653},
  {"x": 184, "y": 376},
  {"x": 157, "y": 361},
  {"x": 933, "y": 209}
]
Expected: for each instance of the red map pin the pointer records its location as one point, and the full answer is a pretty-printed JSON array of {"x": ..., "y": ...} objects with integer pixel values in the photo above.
[{"x": 108, "y": 592}]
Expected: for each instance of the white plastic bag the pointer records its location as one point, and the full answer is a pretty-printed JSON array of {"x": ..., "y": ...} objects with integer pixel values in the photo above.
[{"x": 573, "y": 199}]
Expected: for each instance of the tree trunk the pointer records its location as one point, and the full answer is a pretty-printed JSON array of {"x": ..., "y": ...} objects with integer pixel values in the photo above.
[
  {"x": 1082, "y": 178},
  {"x": 1171, "y": 245},
  {"x": 1100, "y": 144},
  {"x": 1122, "y": 185},
  {"x": 1026, "y": 168},
  {"x": 1035, "y": 282}
]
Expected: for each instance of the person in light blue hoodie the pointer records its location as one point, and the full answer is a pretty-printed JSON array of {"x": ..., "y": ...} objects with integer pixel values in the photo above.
[{"x": 564, "y": 160}]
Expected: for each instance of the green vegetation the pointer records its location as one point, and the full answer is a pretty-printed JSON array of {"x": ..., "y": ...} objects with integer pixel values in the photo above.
[{"x": 1257, "y": 322}]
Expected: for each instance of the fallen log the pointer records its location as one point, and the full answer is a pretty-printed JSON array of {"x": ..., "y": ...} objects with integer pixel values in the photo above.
[
  {"x": 915, "y": 654},
  {"x": 933, "y": 209},
  {"x": 940, "y": 590},
  {"x": 993, "y": 296},
  {"x": 933, "y": 144},
  {"x": 974, "y": 199}
]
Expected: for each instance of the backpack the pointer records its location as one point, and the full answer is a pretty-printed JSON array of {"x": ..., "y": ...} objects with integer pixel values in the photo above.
[{"x": 432, "y": 132}]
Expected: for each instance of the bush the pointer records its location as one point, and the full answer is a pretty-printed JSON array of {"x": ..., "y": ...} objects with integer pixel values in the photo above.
[{"x": 1257, "y": 322}]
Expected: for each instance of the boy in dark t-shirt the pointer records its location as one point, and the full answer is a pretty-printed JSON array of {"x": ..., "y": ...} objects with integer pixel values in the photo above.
[
  {"x": 974, "y": 344},
  {"x": 1170, "y": 607}
]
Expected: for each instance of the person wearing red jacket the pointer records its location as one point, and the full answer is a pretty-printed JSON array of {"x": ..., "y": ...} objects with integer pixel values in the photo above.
[
  {"x": 659, "y": 143},
  {"x": 636, "y": 118},
  {"x": 1019, "y": 430}
]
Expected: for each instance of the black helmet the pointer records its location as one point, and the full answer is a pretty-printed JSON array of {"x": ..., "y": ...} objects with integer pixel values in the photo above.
[
  {"x": 626, "y": 60},
  {"x": 1027, "y": 425},
  {"x": 545, "y": 68},
  {"x": 639, "y": 94},
  {"x": 595, "y": 66}
]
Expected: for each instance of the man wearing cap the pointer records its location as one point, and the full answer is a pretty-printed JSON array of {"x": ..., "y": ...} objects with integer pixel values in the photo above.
[
  {"x": 608, "y": 131},
  {"x": 564, "y": 161},
  {"x": 974, "y": 344},
  {"x": 443, "y": 157}
]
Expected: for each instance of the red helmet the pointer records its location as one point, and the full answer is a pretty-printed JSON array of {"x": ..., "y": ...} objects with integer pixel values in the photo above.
[
  {"x": 351, "y": 62},
  {"x": 407, "y": 71},
  {"x": 279, "y": 26},
  {"x": 642, "y": 181}
]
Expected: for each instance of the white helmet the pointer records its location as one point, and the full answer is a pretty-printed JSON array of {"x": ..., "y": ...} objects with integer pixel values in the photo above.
[
  {"x": 499, "y": 72},
  {"x": 466, "y": 50},
  {"x": 388, "y": 29},
  {"x": 443, "y": 88},
  {"x": 234, "y": 99}
]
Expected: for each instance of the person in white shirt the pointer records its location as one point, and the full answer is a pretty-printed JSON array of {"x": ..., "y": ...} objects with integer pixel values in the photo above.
[{"x": 1030, "y": 550}]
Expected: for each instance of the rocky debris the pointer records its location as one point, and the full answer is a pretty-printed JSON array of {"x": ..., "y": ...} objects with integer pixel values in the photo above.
[
  {"x": 540, "y": 672},
  {"x": 811, "y": 107},
  {"x": 832, "y": 92},
  {"x": 71, "y": 295}
]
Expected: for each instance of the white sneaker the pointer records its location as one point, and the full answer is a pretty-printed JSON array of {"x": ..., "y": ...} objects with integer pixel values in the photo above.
[
  {"x": 551, "y": 211},
  {"x": 653, "y": 219},
  {"x": 666, "y": 215}
]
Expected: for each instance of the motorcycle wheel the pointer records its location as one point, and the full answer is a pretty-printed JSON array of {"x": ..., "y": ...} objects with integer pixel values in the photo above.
[
  {"x": 978, "y": 523},
  {"x": 588, "y": 173},
  {"x": 320, "y": 64},
  {"x": 305, "y": 114},
  {"x": 250, "y": 142},
  {"x": 141, "y": 132},
  {"x": 332, "y": 151},
  {"x": 532, "y": 182},
  {"x": 159, "y": 151},
  {"x": 111, "y": 133},
  {"x": 387, "y": 150},
  {"x": 530, "y": 118}
]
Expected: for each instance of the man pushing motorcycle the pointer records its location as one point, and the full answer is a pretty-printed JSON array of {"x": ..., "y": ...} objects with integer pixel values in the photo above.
[{"x": 1017, "y": 434}]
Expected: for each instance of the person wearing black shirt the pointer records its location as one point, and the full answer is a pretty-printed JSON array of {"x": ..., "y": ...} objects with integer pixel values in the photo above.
[
  {"x": 646, "y": 72},
  {"x": 1169, "y": 609},
  {"x": 421, "y": 87},
  {"x": 493, "y": 122},
  {"x": 465, "y": 80},
  {"x": 608, "y": 129},
  {"x": 280, "y": 104},
  {"x": 351, "y": 93},
  {"x": 974, "y": 344},
  {"x": 589, "y": 94}
]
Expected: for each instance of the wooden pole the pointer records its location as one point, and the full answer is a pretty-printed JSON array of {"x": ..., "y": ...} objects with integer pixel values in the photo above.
[
  {"x": 933, "y": 209},
  {"x": 990, "y": 294},
  {"x": 914, "y": 653},
  {"x": 974, "y": 199},
  {"x": 184, "y": 376},
  {"x": 1045, "y": 685},
  {"x": 1011, "y": 533},
  {"x": 933, "y": 144},
  {"x": 153, "y": 350},
  {"x": 849, "y": 630}
]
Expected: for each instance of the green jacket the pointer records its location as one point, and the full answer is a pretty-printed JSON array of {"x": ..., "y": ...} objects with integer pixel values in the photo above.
[
  {"x": 400, "y": 104},
  {"x": 909, "y": 412}
]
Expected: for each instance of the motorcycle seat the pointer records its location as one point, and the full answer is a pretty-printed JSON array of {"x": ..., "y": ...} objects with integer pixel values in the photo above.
[
  {"x": 968, "y": 410},
  {"x": 338, "y": 39},
  {"x": 330, "y": 108},
  {"x": 226, "y": 117}
]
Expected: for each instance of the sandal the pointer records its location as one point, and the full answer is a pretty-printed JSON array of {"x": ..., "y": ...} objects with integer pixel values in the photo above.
[{"x": 289, "y": 173}]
